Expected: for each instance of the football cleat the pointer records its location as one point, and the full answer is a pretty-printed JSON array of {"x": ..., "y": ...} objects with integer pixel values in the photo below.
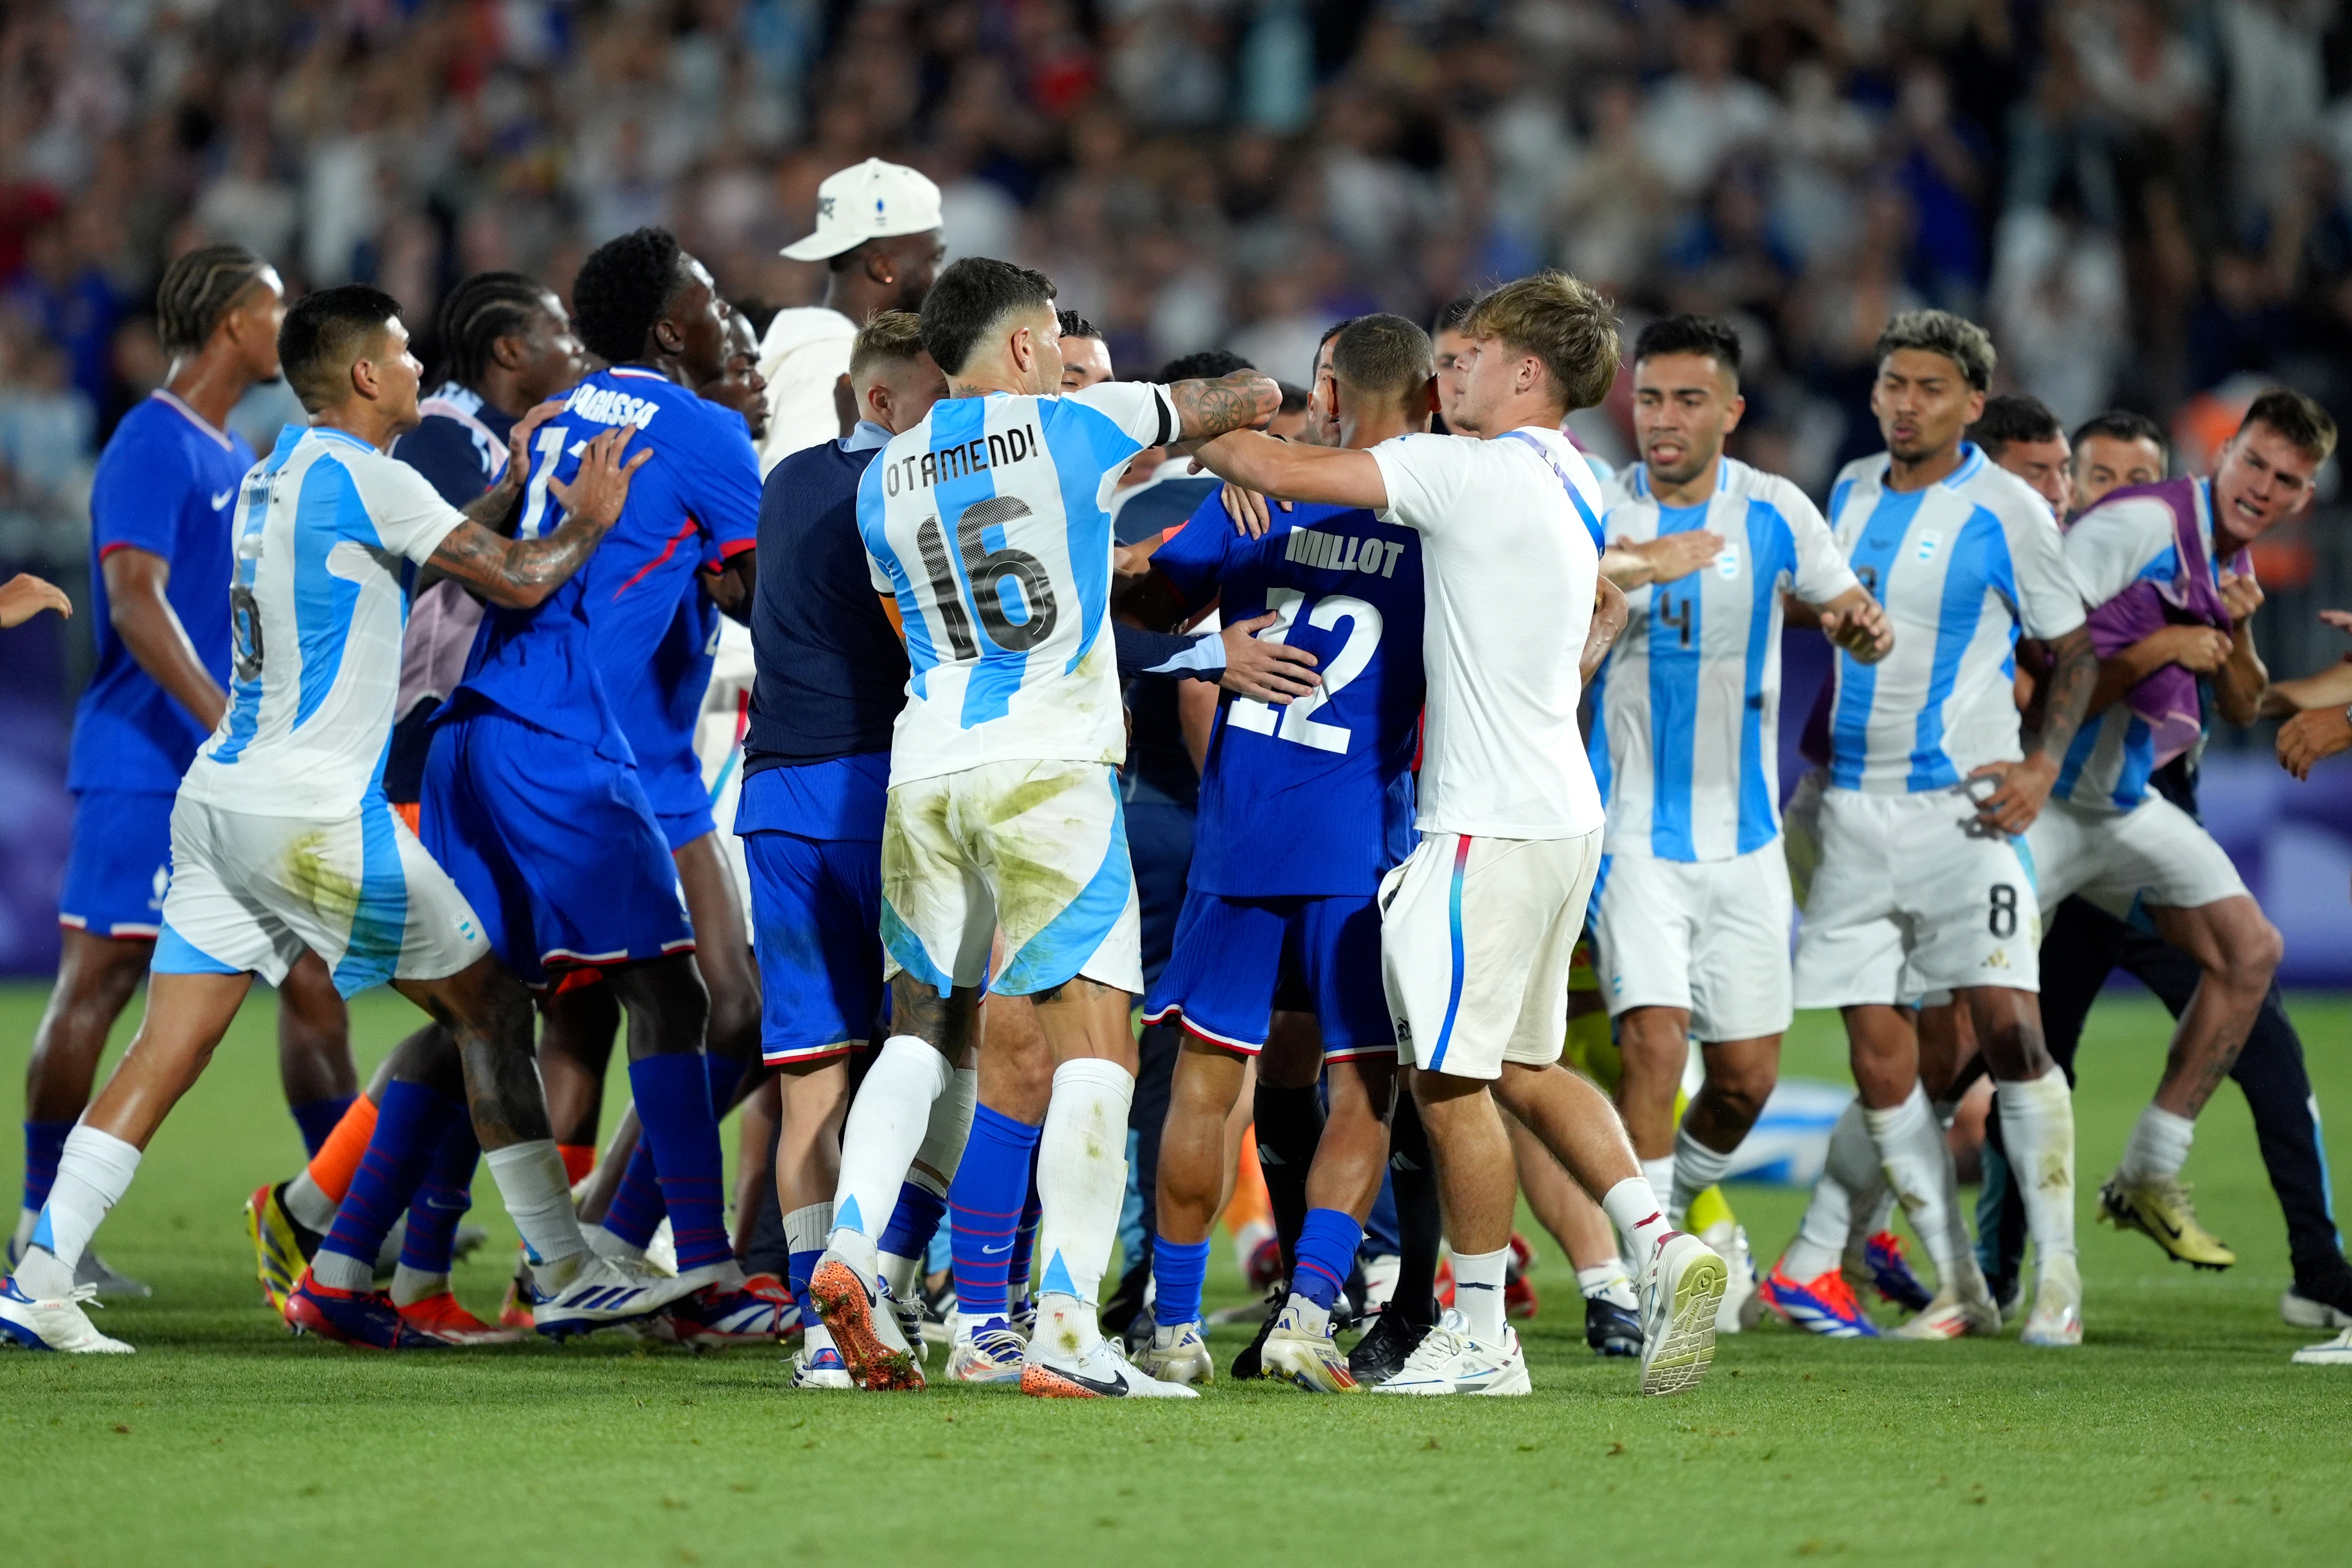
[
  {"x": 992, "y": 1353},
  {"x": 1610, "y": 1328},
  {"x": 282, "y": 1248},
  {"x": 94, "y": 1272},
  {"x": 2057, "y": 1319},
  {"x": 365, "y": 1319},
  {"x": 821, "y": 1367},
  {"x": 1102, "y": 1372},
  {"x": 911, "y": 1327},
  {"x": 1177, "y": 1353},
  {"x": 1448, "y": 1361},
  {"x": 2336, "y": 1351},
  {"x": 1823, "y": 1305},
  {"x": 1518, "y": 1292},
  {"x": 605, "y": 1293},
  {"x": 514, "y": 1307},
  {"x": 1886, "y": 1268},
  {"x": 1962, "y": 1306},
  {"x": 1741, "y": 1305},
  {"x": 1023, "y": 1318},
  {"x": 1382, "y": 1353},
  {"x": 718, "y": 1316},
  {"x": 2159, "y": 1209},
  {"x": 1248, "y": 1362},
  {"x": 1298, "y": 1350},
  {"x": 53, "y": 1325},
  {"x": 2317, "y": 1306},
  {"x": 858, "y": 1313},
  {"x": 444, "y": 1318},
  {"x": 1680, "y": 1299}
]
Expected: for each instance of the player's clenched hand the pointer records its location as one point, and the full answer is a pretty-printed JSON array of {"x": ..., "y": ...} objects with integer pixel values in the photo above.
[
  {"x": 2313, "y": 736},
  {"x": 25, "y": 595},
  {"x": 1862, "y": 629},
  {"x": 1269, "y": 671},
  {"x": 2199, "y": 649},
  {"x": 2018, "y": 793},
  {"x": 2241, "y": 596},
  {"x": 1674, "y": 556},
  {"x": 601, "y": 488}
]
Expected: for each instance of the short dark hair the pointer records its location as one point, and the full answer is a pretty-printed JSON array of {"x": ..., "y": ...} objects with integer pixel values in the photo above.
[
  {"x": 1077, "y": 326},
  {"x": 480, "y": 311},
  {"x": 1293, "y": 398},
  {"x": 972, "y": 296},
  {"x": 1206, "y": 365},
  {"x": 622, "y": 291},
  {"x": 2306, "y": 426},
  {"x": 2013, "y": 416},
  {"x": 1453, "y": 313},
  {"x": 1562, "y": 321},
  {"x": 2122, "y": 425},
  {"x": 324, "y": 333},
  {"x": 1333, "y": 331},
  {"x": 1956, "y": 338},
  {"x": 198, "y": 289},
  {"x": 1383, "y": 356},
  {"x": 1711, "y": 336}
]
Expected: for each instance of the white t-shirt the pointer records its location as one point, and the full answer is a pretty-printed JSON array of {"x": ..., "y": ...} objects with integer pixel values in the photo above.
[
  {"x": 327, "y": 529},
  {"x": 988, "y": 523},
  {"x": 1509, "y": 563}
]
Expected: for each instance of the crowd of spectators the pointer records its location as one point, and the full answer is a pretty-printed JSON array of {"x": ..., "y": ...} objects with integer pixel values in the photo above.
[{"x": 2147, "y": 200}]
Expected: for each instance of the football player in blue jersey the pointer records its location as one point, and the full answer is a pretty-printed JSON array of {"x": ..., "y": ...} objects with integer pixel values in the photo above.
[
  {"x": 1303, "y": 809},
  {"x": 534, "y": 791},
  {"x": 1921, "y": 885},
  {"x": 160, "y": 541},
  {"x": 1691, "y": 911}
]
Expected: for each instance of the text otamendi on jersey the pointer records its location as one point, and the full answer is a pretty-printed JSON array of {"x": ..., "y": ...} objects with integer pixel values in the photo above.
[
  {"x": 963, "y": 460},
  {"x": 1343, "y": 553}
]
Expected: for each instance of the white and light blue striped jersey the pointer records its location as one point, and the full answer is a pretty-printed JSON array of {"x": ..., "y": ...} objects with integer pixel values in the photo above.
[
  {"x": 1964, "y": 567},
  {"x": 2126, "y": 539},
  {"x": 329, "y": 532},
  {"x": 1687, "y": 747},
  {"x": 987, "y": 523}
]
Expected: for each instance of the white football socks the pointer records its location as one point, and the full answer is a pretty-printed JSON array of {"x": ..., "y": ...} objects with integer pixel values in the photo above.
[
  {"x": 933, "y": 1168},
  {"x": 887, "y": 1124},
  {"x": 1850, "y": 1189},
  {"x": 1478, "y": 1292},
  {"x": 1081, "y": 1187},
  {"x": 1917, "y": 1165},
  {"x": 1608, "y": 1282},
  {"x": 1697, "y": 1168},
  {"x": 92, "y": 1175},
  {"x": 805, "y": 1229},
  {"x": 2037, "y": 1127},
  {"x": 2159, "y": 1146},
  {"x": 1660, "y": 1174},
  {"x": 312, "y": 1209},
  {"x": 1633, "y": 1206},
  {"x": 538, "y": 1198}
]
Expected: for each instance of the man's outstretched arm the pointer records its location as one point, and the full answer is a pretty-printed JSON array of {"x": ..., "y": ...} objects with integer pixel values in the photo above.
[
  {"x": 1334, "y": 475},
  {"x": 1242, "y": 401}
]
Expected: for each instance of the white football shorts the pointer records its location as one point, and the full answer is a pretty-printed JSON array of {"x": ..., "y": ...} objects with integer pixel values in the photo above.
[
  {"x": 2155, "y": 853},
  {"x": 250, "y": 892},
  {"x": 1708, "y": 936},
  {"x": 1914, "y": 894},
  {"x": 1476, "y": 935},
  {"x": 1038, "y": 849}
]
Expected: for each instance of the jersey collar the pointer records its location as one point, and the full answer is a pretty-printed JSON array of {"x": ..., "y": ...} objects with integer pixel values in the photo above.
[{"x": 220, "y": 438}]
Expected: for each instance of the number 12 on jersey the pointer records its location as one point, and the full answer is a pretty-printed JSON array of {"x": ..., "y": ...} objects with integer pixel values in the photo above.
[{"x": 1297, "y": 722}]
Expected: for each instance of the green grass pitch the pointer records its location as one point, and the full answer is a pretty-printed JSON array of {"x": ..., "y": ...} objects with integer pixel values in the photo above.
[{"x": 2179, "y": 1433}]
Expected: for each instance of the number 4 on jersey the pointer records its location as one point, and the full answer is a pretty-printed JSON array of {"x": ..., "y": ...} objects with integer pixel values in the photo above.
[{"x": 1297, "y": 722}]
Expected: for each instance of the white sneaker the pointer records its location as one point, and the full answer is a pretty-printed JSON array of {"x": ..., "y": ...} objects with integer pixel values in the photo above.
[
  {"x": 1743, "y": 1304},
  {"x": 2336, "y": 1351},
  {"x": 605, "y": 1291},
  {"x": 819, "y": 1365},
  {"x": 860, "y": 1316},
  {"x": 1299, "y": 1349},
  {"x": 53, "y": 1325},
  {"x": 92, "y": 1270},
  {"x": 2057, "y": 1319},
  {"x": 1962, "y": 1305},
  {"x": 1179, "y": 1352},
  {"x": 1448, "y": 1361},
  {"x": 1680, "y": 1299},
  {"x": 1102, "y": 1372},
  {"x": 991, "y": 1352}
]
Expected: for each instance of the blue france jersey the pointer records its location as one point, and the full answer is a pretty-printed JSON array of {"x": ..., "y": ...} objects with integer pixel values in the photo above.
[
  {"x": 1964, "y": 567},
  {"x": 164, "y": 484},
  {"x": 1315, "y": 798},
  {"x": 1688, "y": 748},
  {"x": 586, "y": 659},
  {"x": 987, "y": 523}
]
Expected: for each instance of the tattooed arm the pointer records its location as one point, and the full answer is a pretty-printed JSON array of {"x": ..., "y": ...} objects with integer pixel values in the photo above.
[
  {"x": 521, "y": 573},
  {"x": 1244, "y": 400},
  {"x": 2022, "y": 788}
]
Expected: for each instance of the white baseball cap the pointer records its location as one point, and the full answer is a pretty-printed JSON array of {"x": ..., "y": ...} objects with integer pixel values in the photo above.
[{"x": 872, "y": 201}]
